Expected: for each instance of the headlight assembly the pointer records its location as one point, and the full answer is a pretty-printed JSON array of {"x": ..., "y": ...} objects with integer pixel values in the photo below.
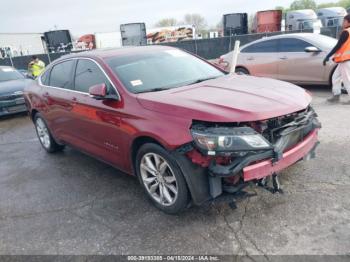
[{"x": 228, "y": 139}]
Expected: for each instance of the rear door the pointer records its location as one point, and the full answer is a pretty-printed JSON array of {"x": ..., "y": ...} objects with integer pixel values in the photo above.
[
  {"x": 260, "y": 58},
  {"x": 58, "y": 99},
  {"x": 297, "y": 66},
  {"x": 97, "y": 123}
]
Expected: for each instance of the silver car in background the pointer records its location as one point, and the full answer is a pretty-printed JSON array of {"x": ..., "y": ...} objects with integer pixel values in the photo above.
[{"x": 295, "y": 58}]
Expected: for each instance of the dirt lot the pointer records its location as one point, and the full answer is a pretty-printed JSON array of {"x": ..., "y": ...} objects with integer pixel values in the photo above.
[{"x": 69, "y": 203}]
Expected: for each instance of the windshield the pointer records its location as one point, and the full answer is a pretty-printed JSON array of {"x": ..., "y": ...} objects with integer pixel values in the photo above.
[
  {"x": 8, "y": 73},
  {"x": 159, "y": 70},
  {"x": 308, "y": 24},
  {"x": 323, "y": 42}
]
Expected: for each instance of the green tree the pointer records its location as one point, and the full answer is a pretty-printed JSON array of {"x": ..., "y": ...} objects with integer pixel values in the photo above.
[
  {"x": 166, "y": 22},
  {"x": 325, "y": 5},
  {"x": 284, "y": 10},
  {"x": 344, "y": 3},
  {"x": 303, "y": 4}
]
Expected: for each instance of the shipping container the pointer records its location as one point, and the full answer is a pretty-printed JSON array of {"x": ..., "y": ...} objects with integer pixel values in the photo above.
[
  {"x": 235, "y": 24},
  {"x": 267, "y": 21}
]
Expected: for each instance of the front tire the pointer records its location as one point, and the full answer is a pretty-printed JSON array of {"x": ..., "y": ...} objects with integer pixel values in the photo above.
[
  {"x": 161, "y": 178},
  {"x": 44, "y": 135},
  {"x": 241, "y": 71}
]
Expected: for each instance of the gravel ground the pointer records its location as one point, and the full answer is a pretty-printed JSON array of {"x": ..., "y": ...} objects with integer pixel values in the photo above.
[{"x": 70, "y": 203}]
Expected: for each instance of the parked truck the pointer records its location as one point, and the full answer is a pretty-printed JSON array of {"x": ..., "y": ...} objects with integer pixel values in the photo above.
[
  {"x": 235, "y": 24},
  {"x": 303, "y": 20},
  {"x": 331, "y": 16},
  {"x": 267, "y": 21}
]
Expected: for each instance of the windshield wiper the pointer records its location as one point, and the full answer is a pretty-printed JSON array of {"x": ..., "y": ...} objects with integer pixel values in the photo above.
[
  {"x": 201, "y": 80},
  {"x": 153, "y": 90}
]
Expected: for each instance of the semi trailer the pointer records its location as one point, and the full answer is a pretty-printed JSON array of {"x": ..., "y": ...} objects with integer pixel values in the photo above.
[{"x": 331, "y": 16}]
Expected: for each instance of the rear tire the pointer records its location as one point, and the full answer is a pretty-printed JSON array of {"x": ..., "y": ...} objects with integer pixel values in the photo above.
[
  {"x": 161, "y": 178},
  {"x": 44, "y": 135},
  {"x": 241, "y": 71}
]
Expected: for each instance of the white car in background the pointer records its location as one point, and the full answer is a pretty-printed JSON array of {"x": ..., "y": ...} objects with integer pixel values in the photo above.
[{"x": 296, "y": 58}]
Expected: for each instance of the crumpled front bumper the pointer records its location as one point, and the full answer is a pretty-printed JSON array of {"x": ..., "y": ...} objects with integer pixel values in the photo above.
[
  {"x": 294, "y": 144},
  {"x": 268, "y": 167}
]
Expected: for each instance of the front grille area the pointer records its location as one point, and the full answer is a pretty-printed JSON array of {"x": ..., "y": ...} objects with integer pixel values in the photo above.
[
  {"x": 10, "y": 97},
  {"x": 286, "y": 131}
]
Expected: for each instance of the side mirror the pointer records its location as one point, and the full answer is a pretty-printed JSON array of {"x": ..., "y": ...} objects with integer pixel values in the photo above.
[
  {"x": 312, "y": 49},
  {"x": 98, "y": 91}
]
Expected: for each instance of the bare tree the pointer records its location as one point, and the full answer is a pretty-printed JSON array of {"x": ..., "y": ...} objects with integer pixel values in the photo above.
[
  {"x": 166, "y": 22},
  {"x": 197, "y": 20}
]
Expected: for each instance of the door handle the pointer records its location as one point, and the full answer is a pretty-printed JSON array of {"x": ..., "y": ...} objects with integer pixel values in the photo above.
[
  {"x": 283, "y": 58},
  {"x": 250, "y": 58},
  {"x": 46, "y": 95},
  {"x": 74, "y": 99}
]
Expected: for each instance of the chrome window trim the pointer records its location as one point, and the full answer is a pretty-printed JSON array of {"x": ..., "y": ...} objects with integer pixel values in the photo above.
[{"x": 75, "y": 91}]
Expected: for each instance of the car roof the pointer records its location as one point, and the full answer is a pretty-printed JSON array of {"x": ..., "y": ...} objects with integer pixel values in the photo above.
[
  {"x": 113, "y": 52},
  {"x": 307, "y": 36}
]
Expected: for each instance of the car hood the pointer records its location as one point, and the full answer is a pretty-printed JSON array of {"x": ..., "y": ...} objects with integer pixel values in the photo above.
[
  {"x": 9, "y": 87},
  {"x": 232, "y": 98}
]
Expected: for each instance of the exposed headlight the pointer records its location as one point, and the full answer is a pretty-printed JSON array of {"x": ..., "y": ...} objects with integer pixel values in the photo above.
[{"x": 225, "y": 139}]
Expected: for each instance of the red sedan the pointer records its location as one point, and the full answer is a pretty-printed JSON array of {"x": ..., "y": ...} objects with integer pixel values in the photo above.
[{"x": 186, "y": 129}]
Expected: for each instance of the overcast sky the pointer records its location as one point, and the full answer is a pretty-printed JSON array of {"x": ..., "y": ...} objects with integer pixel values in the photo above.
[{"x": 90, "y": 16}]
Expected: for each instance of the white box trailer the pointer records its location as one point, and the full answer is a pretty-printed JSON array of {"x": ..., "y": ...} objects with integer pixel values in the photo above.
[
  {"x": 108, "y": 39},
  {"x": 20, "y": 44},
  {"x": 303, "y": 20},
  {"x": 331, "y": 16}
]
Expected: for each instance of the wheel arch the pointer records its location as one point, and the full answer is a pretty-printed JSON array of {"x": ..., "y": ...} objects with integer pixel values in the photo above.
[
  {"x": 33, "y": 113},
  {"x": 137, "y": 143},
  {"x": 196, "y": 177},
  {"x": 242, "y": 67}
]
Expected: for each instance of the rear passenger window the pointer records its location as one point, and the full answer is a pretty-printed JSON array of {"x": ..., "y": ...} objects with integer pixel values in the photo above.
[
  {"x": 88, "y": 74},
  {"x": 61, "y": 75},
  {"x": 269, "y": 46}
]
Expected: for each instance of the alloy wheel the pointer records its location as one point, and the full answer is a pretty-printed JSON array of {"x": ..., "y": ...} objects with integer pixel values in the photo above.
[
  {"x": 43, "y": 133},
  {"x": 159, "y": 179}
]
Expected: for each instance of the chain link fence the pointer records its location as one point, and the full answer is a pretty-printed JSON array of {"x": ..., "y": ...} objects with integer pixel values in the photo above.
[{"x": 207, "y": 48}]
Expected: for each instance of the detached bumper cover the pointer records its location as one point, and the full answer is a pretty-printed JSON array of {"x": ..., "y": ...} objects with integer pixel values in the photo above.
[{"x": 268, "y": 167}]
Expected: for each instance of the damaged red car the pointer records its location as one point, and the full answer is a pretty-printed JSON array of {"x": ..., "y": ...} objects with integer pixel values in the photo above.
[{"x": 189, "y": 131}]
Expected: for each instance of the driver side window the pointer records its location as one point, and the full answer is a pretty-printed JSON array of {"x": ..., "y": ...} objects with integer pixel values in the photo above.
[{"x": 88, "y": 74}]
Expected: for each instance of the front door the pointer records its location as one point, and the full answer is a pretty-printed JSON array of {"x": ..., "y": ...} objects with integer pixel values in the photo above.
[
  {"x": 297, "y": 66},
  {"x": 97, "y": 122}
]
